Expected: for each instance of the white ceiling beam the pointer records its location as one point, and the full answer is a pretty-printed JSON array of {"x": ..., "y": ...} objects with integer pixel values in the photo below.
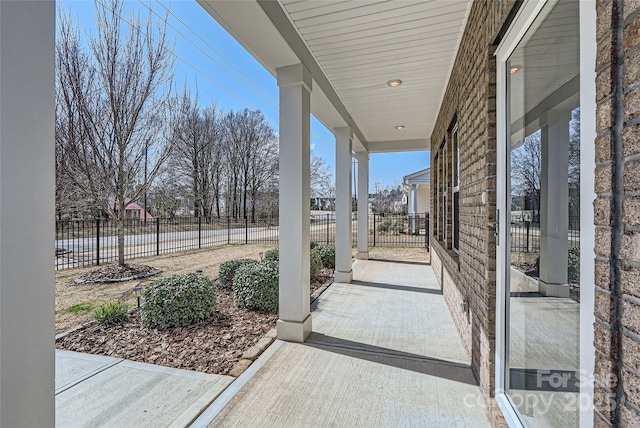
[{"x": 399, "y": 145}]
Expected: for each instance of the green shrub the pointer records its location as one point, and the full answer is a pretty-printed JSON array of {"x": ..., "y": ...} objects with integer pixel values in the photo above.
[
  {"x": 178, "y": 300},
  {"x": 256, "y": 286},
  {"x": 574, "y": 265},
  {"x": 315, "y": 263},
  {"x": 272, "y": 255},
  {"x": 312, "y": 245},
  {"x": 228, "y": 271},
  {"x": 112, "y": 313},
  {"x": 327, "y": 255}
]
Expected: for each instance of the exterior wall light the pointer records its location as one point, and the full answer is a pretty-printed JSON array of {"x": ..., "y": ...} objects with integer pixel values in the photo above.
[
  {"x": 399, "y": 127},
  {"x": 515, "y": 68},
  {"x": 394, "y": 83}
]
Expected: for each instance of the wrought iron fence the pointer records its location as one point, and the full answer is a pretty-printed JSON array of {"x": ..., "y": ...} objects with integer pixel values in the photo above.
[
  {"x": 92, "y": 242},
  {"x": 525, "y": 234}
]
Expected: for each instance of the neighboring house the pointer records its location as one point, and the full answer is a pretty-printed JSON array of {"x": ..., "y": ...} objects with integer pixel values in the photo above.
[
  {"x": 416, "y": 188},
  {"x": 323, "y": 203},
  {"x": 133, "y": 211}
]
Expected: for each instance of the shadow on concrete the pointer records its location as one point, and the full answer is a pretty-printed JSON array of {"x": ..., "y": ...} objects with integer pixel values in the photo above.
[
  {"x": 450, "y": 370},
  {"x": 398, "y": 287},
  {"x": 403, "y": 262}
]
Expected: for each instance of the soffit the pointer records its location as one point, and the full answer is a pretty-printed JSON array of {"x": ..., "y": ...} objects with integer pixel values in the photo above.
[{"x": 358, "y": 46}]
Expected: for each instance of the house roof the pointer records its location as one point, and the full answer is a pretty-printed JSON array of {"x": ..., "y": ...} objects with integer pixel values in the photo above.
[
  {"x": 419, "y": 177},
  {"x": 352, "y": 49}
]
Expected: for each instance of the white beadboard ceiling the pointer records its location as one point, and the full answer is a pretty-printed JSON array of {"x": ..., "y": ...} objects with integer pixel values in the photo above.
[{"x": 352, "y": 49}]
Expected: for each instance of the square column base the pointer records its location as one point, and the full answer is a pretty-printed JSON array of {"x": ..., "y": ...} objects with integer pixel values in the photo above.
[
  {"x": 344, "y": 277},
  {"x": 362, "y": 255},
  {"x": 553, "y": 290},
  {"x": 293, "y": 331}
]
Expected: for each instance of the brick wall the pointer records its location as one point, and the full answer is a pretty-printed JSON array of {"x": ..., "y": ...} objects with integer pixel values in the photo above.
[
  {"x": 470, "y": 275},
  {"x": 617, "y": 215}
]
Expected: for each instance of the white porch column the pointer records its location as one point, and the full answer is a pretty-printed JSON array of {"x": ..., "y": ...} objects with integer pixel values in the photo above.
[
  {"x": 343, "y": 272},
  {"x": 414, "y": 208},
  {"x": 363, "y": 206},
  {"x": 27, "y": 177},
  {"x": 295, "y": 94},
  {"x": 554, "y": 205}
]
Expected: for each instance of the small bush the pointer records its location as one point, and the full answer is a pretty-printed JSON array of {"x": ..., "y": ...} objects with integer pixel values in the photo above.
[
  {"x": 272, "y": 255},
  {"x": 256, "y": 286},
  {"x": 573, "y": 273},
  {"x": 573, "y": 265},
  {"x": 178, "y": 300},
  {"x": 327, "y": 255},
  {"x": 312, "y": 245},
  {"x": 228, "y": 271},
  {"x": 315, "y": 263},
  {"x": 112, "y": 313}
]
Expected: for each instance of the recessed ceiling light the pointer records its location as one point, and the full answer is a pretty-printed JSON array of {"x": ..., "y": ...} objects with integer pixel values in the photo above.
[
  {"x": 399, "y": 127},
  {"x": 395, "y": 82},
  {"x": 515, "y": 68}
]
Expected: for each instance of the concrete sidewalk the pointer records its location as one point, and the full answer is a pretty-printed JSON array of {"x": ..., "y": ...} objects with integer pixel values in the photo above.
[
  {"x": 98, "y": 391},
  {"x": 384, "y": 352}
]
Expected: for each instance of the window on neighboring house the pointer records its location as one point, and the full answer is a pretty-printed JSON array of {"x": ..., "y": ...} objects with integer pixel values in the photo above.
[{"x": 455, "y": 182}]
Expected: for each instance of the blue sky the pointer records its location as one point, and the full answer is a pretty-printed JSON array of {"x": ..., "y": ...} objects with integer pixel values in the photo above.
[{"x": 224, "y": 72}]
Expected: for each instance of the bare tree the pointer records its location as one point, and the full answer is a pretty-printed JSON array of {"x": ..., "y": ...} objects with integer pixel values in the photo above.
[
  {"x": 526, "y": 170},
  {"x": 198, "y": 138},
  {"x": 321, "y": 178},
  {"x": 112, "y": 107},
  {"x": 251, "y": 155}
]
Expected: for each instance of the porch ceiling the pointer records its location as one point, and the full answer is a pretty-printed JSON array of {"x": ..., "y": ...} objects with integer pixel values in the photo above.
[{"x": 352, "y": 48}]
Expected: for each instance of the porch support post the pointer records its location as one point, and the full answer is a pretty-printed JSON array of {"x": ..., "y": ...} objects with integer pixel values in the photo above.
[
  {"x": 414, "y": 208},
  {"x": 294, "y": 82},
  {"x": 343, "y": 272},
  {"x": 554, "y": 204},
  {"x": 27, "y": 177},
  {"x": 363, "y": 206}
]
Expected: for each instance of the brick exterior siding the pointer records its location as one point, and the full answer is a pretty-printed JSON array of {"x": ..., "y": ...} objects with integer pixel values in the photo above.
[
  {"x": 470, "y": 275},
  {"x": 617, "y": 214}
]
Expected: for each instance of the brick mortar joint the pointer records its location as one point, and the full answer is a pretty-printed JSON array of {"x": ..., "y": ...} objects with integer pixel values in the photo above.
[{"x": 617, "y": 198}]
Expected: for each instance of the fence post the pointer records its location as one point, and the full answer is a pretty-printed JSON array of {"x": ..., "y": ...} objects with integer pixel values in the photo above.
[
  {"x": 98, "y": 242},
  {"x": 528, "y": 223},
  {"x": 199, "y": 232},
  {"x": 426, "y": 230},
  {"x": 157, "y": 236},
  {"x": 374, "y": 229},
  {"x": 228, "y": 229},
  {"x": 246, "y": 230},
  {"x": 328, "y": 220}
]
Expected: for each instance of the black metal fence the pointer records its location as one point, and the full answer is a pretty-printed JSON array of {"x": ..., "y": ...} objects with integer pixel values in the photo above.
[
  {"x": 525, "y": 234},
  {"x": 84, "y": 243}
]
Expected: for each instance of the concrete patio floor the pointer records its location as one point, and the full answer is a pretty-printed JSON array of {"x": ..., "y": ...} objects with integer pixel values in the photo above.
[{"x": 384, "y": 352}]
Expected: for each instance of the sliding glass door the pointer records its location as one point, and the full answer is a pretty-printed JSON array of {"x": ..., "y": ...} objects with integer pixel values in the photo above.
[{"x": 541, "y": 244}]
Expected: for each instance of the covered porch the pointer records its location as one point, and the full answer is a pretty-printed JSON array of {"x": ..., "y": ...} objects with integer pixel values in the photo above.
[
  {"x": 379, "y": 88},
  {"x": 384, "y": 352}
]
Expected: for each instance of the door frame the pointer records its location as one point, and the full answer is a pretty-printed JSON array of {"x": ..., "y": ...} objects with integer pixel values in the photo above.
[{"x": 528, "y": 12}]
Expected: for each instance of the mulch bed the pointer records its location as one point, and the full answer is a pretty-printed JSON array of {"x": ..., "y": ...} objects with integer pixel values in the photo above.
[
  {"x": 212, "y": 346},
  {"x": 117, "y": 273}
]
